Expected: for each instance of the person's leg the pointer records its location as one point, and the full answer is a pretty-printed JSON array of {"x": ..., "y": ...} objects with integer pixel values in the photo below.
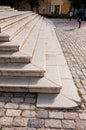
[{"x": 80, "y": 23}]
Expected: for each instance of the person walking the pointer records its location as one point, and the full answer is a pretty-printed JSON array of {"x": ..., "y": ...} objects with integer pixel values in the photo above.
[
  {"x": 80, "y": 15},
  {"x": 70, "y": 14}
]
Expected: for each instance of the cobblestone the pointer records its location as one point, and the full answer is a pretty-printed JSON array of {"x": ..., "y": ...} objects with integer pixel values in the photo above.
[
  {"x": 84, "y": 97},
  {"x": 30, "y": 114},
  {"x": 6, "y": 121},
  {"x": 24, "y": 106},
  {"x": 68, "y": 124},
  {"x": 56, "y": 115},
  {"x": 53, "y": 123},
  {"x": 36, "y": 123},
  {"x": 12, "y": 112},
  {"x": 82, "y": 116},
  {"x": 20, "y": 121},
  {"x": 2, "y": 104},
  {"x": 42, "y": 114},
  {"x": 11, "y": 105},
  {"x": 2, "y": 112},
  {"x": 70, "y": 115},
  {"x": 30, "y": 100},
  {"x": 17, "y": 100},
  {"x": 81, "y": 125}
]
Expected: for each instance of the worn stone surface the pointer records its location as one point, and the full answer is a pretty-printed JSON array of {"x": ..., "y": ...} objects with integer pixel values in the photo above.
[
  {"x": 6, "y": 121},
  {"x": 56, "y": 115},
  {"x": 28, "y": 113},
  {"x": 30, "y": 100},
  {"x": 12, "y": 112},
  {"x": 81, "y": 124},
  {"x": 52, "y": 123},
  {"x": 70, "y": 115},
  {"x": 17, "y": 99},
  {"x": 2, "y": 104},
  {"x": 36, "y": 123},
  {"x": 11, "y": 105},
  {"x": 42, "y": 114},
  {"x": 82, "y": 116},
  {"x": 20, "y": 121},
  {"x": 2, "y": 112},
  {"x": 68, "y": 124}
]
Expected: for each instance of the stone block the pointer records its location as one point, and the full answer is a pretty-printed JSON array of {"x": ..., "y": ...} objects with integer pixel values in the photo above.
[{"x": 53, "y": 123}]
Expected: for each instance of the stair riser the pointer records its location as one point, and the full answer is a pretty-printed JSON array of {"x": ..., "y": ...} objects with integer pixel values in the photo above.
[
  {"x": 15, "y": 60},
  {"x": 28, "y": 89},
  {"x": 22, "y": 73},
  {"x": 9, "y": 48},
  {"x": 4, "y": 38}
]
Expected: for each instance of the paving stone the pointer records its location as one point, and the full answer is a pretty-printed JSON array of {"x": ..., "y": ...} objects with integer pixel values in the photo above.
[
  {"x": 17, "y": 100},
  {"x": 19, "y": 94},
  {"x": 6, "y": 121},
  {"x": 85, "y": 87},
  {"x": 12, "y": 112},
  {"x": 53, "y": 123},
  {"x": 56, "y": 115},
  {"x": 31, "y": 129},
  {"x": 80, "y": 124},
  {"x": 42, "y": 114},
  {"x": 20, "y": 121},
  {"x": 82, "y": 116},
  {"x": 30, "y": 100},
  {"x": 44, "y": 129},
  {"x": 30, "y": 114},
  {"x": 2, "y": 104},
  {"x": 5, "y": 128},
  {"x": 7, "y": 94},
  {"x": 11, "y": 105},
  {"x": 2, "y": 112},
  {"x": 36, "y": 123},
  {"x": 68, "y": 124},
  {"x": 82, "y": 91},
  {"x": 70, "y": 115},
  {"x": 5, "y": 99},
  {"x": 18, "y": 128},
  {"x": 84, "y": 97},
  {"x": 32, "y": 106},
  {"x": 29, "y": 95},
  {"x": 24, "y": 106}
]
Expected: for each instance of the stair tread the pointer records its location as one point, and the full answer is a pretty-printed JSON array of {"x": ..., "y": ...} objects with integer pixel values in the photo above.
[
  {"x": 47, "y": 84},
  {"x": 18, "y": 40},
  {"x": 13, "y": 31},
  {"x": 5, "y": 15},
  {"x": 26, "y": 52},
  {"x": 6, "y": 24}
]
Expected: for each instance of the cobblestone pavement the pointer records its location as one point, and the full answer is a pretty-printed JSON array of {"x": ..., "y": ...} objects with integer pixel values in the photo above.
[{"x": 18, "y": 110}]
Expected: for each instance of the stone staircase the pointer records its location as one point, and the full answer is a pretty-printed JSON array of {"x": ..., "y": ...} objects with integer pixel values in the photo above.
[
  {"x": 27, "y": 63},
  {"x": 31, "y": 60}
]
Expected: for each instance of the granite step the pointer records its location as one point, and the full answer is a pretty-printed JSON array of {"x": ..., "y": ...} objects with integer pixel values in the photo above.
[
  {"x": 12, "y": 22},
  {"x": 9, "y": 15},
  {"x": 50, "y": 83},
  {"x": 5, "y": 9},
  {"x": 10, "y": 33},
  {"x": 26, "y": 52},
  {"x": 68, "y": 97},
  {"x": 19, "y": 40},
  {"x": 35, "y": 68}
]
